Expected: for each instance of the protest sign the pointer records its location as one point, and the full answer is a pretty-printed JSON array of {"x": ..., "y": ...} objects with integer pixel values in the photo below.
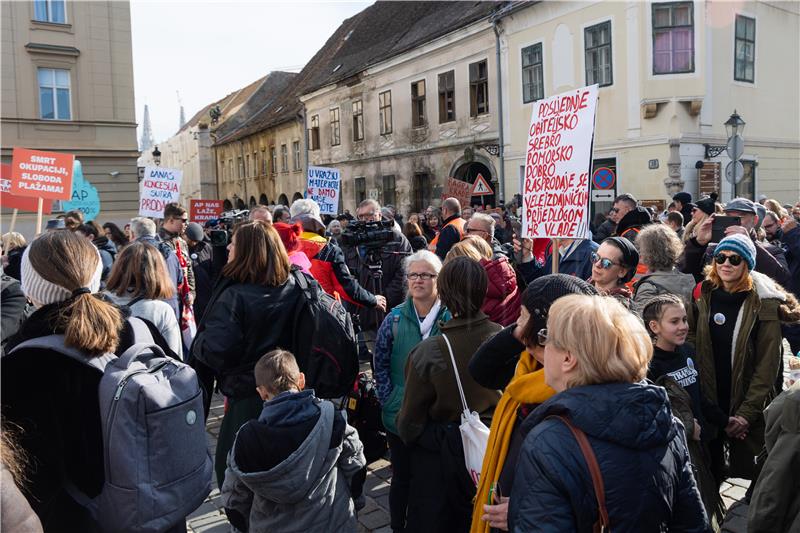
[
  {"x": 23, "y": 203},
  {"x": 159, "y": 187},
  {"x": 323, "y": 186},
  {"x": 41, "y": 174},
  {"x": 84, "y": 195},
  {"x": 460, "y": 190},
  {"x": 201, "y": 211},
  {"x": 557, "y": 166}
]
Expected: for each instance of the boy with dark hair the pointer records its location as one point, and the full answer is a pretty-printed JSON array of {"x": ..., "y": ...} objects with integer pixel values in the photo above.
[
  {"x": 292, "y": 466},
  {"x": 172, "y": 228}
]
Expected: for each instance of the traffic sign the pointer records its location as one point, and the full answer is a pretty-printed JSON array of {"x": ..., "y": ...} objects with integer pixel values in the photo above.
[
  {"x": 602, "y": 196},
  {"x": 734, "y": 172},
  {"x": 735, "y": 147},
  {"x": 481, "y": 187},
  {"x": 603, "y": 178}
]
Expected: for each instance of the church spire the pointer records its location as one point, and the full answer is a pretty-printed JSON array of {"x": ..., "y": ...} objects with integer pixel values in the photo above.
[{"x": 146, "y": 142}]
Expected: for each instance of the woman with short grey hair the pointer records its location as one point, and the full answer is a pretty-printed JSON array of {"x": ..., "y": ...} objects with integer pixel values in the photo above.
[
  {"x": 659, "y": 249},
  {"x": 418, "y": 318}
]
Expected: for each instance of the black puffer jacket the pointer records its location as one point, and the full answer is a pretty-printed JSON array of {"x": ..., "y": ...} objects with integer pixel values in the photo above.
[
  {"x": 632, "y": 223},
  {"x": 242, "y": 322},
  {"x": 641, "y": 451}
]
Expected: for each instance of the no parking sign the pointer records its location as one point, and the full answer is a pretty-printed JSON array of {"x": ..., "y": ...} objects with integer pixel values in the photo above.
[{"x": 603, "y": 178}]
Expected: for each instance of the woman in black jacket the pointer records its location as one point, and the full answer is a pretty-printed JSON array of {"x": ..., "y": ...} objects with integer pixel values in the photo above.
[{"x": 250, "y": 313}]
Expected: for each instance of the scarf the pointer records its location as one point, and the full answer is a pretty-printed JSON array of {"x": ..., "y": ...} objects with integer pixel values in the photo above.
[
  {"x": 526, "y": 387},
  {"x": 427, "y": 324}
]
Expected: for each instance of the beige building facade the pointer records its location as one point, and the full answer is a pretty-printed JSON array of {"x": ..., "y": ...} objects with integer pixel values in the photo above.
[
  {"x": 670, "y": 75},
  {"x": 67, "y": 86}
]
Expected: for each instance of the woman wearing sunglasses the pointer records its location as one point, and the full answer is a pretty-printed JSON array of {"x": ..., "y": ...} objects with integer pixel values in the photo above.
[
  {"x": 736, "y": 330},
  {"x": 613, "y": 266}
]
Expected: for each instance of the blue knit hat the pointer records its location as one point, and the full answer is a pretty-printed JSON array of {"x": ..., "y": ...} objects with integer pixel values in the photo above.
[{"x": 740, "y": 244}]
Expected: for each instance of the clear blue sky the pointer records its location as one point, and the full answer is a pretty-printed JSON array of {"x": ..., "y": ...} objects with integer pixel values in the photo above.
[{"x": 206, "y": 50}]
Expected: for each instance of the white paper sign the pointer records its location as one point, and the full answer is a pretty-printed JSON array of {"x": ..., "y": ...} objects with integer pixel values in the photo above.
[
  {"x": 323, "y": 186},
  {"x": 557, "y": 166},
  {"x": 159, "y": 187}
]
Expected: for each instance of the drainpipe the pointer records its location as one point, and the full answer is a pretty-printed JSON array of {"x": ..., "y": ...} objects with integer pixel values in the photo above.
[
  {"x": 305, "y": 136},
  {"x": 502, "y": 178}
]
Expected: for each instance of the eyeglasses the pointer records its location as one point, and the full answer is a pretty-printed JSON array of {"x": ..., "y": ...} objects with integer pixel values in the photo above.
[
  {"x": 425, "y": 276},
  {"x": 476, "y": 230},
  {"x": 735, "y": 260},
  {"x": 615, "y": 209},
  {"x": 605, "y": 263},
  {"x": 367, "y": 216},
  {"x": 541, "y": 337}
]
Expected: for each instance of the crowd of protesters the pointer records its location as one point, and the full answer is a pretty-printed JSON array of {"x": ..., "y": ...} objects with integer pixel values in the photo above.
[{"x": 640, "y": 360}]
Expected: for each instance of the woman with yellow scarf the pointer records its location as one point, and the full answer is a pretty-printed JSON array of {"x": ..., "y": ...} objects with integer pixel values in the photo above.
[{"x": 512, "y": 361}]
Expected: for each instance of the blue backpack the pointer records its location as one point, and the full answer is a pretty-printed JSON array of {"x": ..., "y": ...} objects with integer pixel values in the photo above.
[{"x": 157, "y": 465}]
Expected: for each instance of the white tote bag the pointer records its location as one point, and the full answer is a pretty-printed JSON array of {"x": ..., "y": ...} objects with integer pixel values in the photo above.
[{"x": 474, "y": 433}]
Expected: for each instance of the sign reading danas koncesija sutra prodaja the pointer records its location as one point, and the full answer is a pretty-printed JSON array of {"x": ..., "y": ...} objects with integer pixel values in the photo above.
[{"x": 159, "y": 187}]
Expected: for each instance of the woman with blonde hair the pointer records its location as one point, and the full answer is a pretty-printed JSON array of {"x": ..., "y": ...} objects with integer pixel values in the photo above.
[
  {"x": 606, "y": 434},
  {"x": 250, "y": 313},
  {"x": 703, "y": 208},
  {"x": 14, "y": 244},
  {"x": 139, "y": 281},
  {"x": 736, "y": 331}
]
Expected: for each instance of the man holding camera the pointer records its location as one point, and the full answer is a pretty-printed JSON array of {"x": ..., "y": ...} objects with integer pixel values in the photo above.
[
  {"x": 770, "y": 259},
  {"x": 378, "y": 268}
]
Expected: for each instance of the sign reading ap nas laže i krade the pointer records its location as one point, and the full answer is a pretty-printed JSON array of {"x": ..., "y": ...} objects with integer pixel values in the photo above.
[{"x": 159, "y": 187}]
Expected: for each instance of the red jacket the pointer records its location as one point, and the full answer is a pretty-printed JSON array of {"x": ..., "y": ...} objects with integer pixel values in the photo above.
[{"x": 503, "y": 298}]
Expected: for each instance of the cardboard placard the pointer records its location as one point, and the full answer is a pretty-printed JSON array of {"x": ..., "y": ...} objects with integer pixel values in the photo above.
[
  {"x": 201, "y": 211},
  {"x": 41, "y": 174},
  {"x": 323, "y": 186},
  {"x": 557, "y": 166},
  {"x": 23, "y": 203},
  {"x": 159, "y": 187},
  {"x": 460, "y": 190}
]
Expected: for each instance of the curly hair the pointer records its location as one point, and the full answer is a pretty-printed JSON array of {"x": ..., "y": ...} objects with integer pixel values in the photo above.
[{"x": 659, "y": 247}]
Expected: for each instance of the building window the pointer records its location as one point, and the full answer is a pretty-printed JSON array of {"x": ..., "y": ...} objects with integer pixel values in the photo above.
[
  {"x": 385, "y": 112},
  {"x": 359, "y": 190},
  {"x": 421, "y": 190},
  {"x": 284, "y": 158},
  {"x": 447, "y": 97},
  {"x": 263, "y": 161},
  {"x": 273, "y": 161},
  {"x": 418, "y": 104},
  {"x": 673, "y": 38},
  {"x": 247, "y": 167},
  {"x": 745, "y": 54},
  {"x": 255, "y": 163},
  {"x": 230, "y": 169},
  {"x": 747, "y": 187},
  {"x": 336, "y": 138},
  {"x": 313, "y": 133},
  {"x": 532, "y": 74},
  {"x": 358, "y": 121},
  {"x": 54, "y": 94},
  {"x": 478, "y": 89},
  {"x": 240, "y": 167},
  {"x": 296, "y": 151},
  {"x": 389, "y": 190},
  {"x": 49, "y": 11},
  {"x": 597, "y": 41}
]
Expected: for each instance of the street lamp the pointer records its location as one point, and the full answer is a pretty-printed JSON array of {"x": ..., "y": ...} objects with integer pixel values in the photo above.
[
  {"x": 157, "y": 156},
  {"x": 734, "y": 125}
]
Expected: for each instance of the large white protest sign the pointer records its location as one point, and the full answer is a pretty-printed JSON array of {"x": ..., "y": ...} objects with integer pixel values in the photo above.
[
  {"x": 324, "y": 185},
  {"x": 557, "y": 166},
  {"x": 159, "y": 187}
]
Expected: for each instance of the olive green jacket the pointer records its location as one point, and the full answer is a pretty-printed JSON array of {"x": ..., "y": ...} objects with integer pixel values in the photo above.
[{"x": 756, "y": 359}]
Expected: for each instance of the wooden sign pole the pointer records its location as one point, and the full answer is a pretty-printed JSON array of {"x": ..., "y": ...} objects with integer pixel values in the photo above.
[
  {"x": 13, "y": 220},
  {"x": 554, "y": 253},
  {"x": 39, "y": 209}
]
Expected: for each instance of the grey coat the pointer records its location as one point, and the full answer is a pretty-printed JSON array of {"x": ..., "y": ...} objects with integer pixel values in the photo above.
[
  {"x": 308, "y": 492},
  {"x": 660, "y": 282}
]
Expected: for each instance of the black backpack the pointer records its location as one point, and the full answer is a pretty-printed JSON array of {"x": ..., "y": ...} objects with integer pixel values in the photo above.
[{"x": 325, "y": 343}]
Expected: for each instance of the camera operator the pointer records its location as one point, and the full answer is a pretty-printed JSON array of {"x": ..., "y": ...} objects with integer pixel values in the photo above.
[
  {"x": 380, "y": 271},
  {"x": 327, "y": 260}
]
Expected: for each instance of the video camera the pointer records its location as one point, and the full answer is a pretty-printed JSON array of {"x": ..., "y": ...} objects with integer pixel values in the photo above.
[{"x": 368, "y": 234}]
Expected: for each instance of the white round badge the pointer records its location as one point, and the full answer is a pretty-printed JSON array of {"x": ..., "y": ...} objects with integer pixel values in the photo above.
[
  {"x": 719, "y": 319},
  {"x": 191, "y": 417}
]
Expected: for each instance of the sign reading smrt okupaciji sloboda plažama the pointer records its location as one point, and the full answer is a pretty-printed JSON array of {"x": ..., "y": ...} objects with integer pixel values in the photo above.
[
  {"x": 557, "y": 166},
  {"x": 159, "y": 187}
]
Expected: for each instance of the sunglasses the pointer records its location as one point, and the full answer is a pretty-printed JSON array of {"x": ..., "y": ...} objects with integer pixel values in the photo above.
[
  {"x": 735, "y": 260},
  {"x": 605, "y": 263},
  {"x": 541, "y": 337}
]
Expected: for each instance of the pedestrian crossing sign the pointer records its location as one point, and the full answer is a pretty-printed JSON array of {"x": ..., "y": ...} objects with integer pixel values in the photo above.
[{"x": 481, "y": 187}]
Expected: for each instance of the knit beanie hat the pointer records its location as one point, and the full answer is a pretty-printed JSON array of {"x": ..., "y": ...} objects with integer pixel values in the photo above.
[
  {"x": 43, "y": 292},
  {"x": 739, "y": 244},
  {"x": 708, "y": 204},
  {"x": 542, "y": 292},
  {"x": 630, "y": 255},
  {"x": 290, "y": 235}
]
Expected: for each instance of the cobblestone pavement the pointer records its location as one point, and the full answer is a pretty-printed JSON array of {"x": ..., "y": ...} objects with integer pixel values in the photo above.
[{"x": 374, "y": 517}]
